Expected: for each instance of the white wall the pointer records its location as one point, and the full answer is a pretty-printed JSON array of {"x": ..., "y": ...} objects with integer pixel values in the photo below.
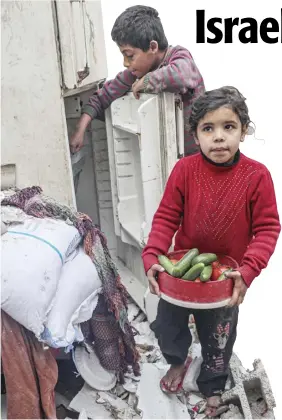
[
  {"x": 34, "y": 133},
  {"x": 256, "y": 70}
]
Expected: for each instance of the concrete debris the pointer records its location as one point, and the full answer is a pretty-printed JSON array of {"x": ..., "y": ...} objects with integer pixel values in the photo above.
[
  {"x": 222, "y": 409},
  {"x": 144, "y": 348},
  {"x": 86, "y": 400},
  {"x": 190, "y": 379},
  {"x": 248, "y": 394},
  {"x": 3, "y": 228},
  {"x": 83, "y": 415},
  {"x": 132, "y": 377},
  {"x": 228, "y": 384},
  {"x": 153, "y": 403},
  {"x": 151, "y": 305},
  {"x": 252, "y": 389},
  {"x": 232, "y": 413},
  {"x": 132, "y": 401},
  {"x": 130, "y": 386},
  {"x": 120, "y": 392},
  {"x": 197, "y": 411},
  {"x": 113, "y": 400},
  {"x": 154, "y": 356},
  {"x": 194, "y": 399},
  {"x": 193, "y": 329},
  {"x": 117, "y": 407},
  {"x": 133, "y": 312},
  {"x": 145, "y": 335}
]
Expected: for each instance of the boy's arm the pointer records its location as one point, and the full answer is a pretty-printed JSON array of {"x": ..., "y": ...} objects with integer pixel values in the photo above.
[
  {"x": 97, "y": 104},
  {"x": 180, "y": 75},
  {"x": 167, "y": 218},
  {"x": 265, "y": 227},
  {"x": 111, "y": 90}
]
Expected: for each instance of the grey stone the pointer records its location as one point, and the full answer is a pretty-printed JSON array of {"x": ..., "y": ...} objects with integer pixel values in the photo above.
[{"x": 250, "y": 387}]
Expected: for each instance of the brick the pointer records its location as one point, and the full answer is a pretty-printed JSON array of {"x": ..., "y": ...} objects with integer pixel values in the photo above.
[{"x": 249, "y": 387}]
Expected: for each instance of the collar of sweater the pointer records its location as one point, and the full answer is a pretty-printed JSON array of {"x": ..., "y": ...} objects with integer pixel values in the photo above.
[{"x": 221, "y": 167}]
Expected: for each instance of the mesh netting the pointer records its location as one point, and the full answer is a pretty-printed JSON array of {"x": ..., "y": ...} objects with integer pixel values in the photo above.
[{"x": 103, "y": 332}]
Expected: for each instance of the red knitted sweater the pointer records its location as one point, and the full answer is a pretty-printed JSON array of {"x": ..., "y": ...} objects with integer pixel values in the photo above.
[{"x": 222, "y": 209}]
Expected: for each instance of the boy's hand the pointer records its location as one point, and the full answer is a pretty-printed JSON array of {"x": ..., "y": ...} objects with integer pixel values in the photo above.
[
  {"x": 76, "y": 141},
  {"x": 137, "y": 87},
  {"x": 239, "y": 290},
  {"x": 151, "y": 274}
]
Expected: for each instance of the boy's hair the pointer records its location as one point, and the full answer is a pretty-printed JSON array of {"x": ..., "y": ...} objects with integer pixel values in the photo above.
[
  {"x": 138, "y": 26},
  {"x": 226, "y": 96}
]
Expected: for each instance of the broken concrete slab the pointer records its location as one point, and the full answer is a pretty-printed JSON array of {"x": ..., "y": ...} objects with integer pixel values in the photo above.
[
  {"x": 151, "y": 305},
  {"x": 86, "y": 400},
  {"x": 113, "y": 400},
  {"x": 117, "y": 407},
  {"x": 120, "y": 392},
  {"x": 130, "y": 386},
  {"x": 145, "y": 334},
  {"x": 245, "y": 384},
  {"x": 132, "y": 311},
  {"x": 191, "y": 376},
  {"x": 122, "y": 401},
  {"x": 232, "y": 413},
  {"x": 83, "y": 415},
  {"x": 132, "y": 401},
  {"x": 153, "y": 403}
]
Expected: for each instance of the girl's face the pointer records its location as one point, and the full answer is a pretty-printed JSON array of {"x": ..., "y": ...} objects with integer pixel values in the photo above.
[{"x": 219, "y": 134}]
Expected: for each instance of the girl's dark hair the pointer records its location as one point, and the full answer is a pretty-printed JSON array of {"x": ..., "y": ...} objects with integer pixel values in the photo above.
[
  {"x": 138, "y": 26},
  {"x": 227, "y": 96}
]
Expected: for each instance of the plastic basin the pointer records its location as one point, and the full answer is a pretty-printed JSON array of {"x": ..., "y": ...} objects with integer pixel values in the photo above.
[{"x": 188, "y": 294}]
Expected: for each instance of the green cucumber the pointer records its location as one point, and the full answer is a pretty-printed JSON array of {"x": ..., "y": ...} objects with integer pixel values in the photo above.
[
  {"x": 194, "y": 272},
  {"x": 185, "y": 263},
  {"x": 222, "y": 275},
  {"x": 206, "y": 273},
  {"x": 170, "y": 268},
  {"x": 206, "y": 258}
]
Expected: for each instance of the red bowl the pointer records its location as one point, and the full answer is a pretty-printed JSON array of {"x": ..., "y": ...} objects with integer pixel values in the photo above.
[{"x": 188, "y": 294}]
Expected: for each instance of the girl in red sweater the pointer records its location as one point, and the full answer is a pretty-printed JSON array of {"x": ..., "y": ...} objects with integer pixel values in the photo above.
[{"x": 218, "y": 201}]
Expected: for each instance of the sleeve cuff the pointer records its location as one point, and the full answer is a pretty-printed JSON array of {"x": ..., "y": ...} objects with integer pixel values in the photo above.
[
  {"x": 149, "y": 260},
  {"x": 89, "y": 110},
  {"x": 248, "y": 274},
  {"x": 146, "y": 82}
]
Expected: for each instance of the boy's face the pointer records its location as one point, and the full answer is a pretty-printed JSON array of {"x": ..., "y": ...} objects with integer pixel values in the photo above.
[
  {"x": 140, "y": 62},
  {"x": 219, "y": 134}
]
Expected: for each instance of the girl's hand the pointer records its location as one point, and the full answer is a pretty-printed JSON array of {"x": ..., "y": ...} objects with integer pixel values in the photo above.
[
  {"x": 239, "y": 290},
  {"x": 151, "y": 274}
]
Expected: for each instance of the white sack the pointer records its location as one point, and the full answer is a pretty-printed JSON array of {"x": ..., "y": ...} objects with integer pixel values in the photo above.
[
  {"x": 32, "y": 257},
  {"x": 75, "y": 300}
]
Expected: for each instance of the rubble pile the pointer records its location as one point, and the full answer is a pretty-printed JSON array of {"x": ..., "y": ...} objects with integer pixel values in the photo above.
[{"x": 141, "y": 397}]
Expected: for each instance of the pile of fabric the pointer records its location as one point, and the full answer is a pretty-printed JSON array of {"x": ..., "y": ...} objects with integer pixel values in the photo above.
[{"x": 59, "y": 281}]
